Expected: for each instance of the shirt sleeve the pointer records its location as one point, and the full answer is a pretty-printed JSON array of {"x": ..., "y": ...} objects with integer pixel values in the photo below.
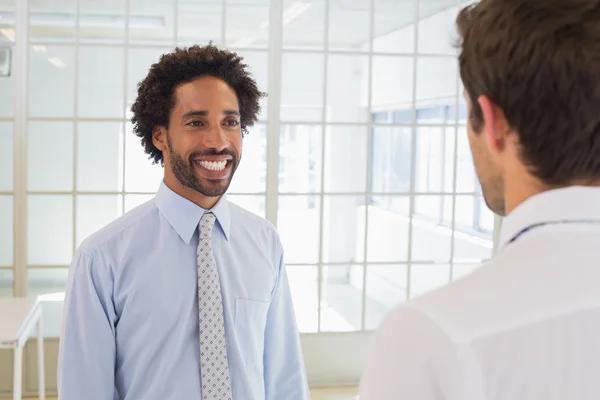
[
  {"x": 86, "y": 361},
  {"x": 408, "y": 359},
  {"x": 285, "y": 376}
]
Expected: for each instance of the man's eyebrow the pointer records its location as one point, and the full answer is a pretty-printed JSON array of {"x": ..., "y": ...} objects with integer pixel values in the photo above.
[{"x": 205, "y": 113}]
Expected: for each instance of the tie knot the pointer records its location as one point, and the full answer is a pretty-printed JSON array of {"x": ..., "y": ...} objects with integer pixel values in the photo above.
[{"x": 207, "y": 221}]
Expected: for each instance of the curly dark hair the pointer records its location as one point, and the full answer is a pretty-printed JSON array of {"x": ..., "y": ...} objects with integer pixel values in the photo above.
[{"x": 155, "y": 99}]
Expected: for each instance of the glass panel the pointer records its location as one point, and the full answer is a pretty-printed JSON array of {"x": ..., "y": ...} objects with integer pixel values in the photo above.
[
  {"x": 251, "y": 175},
  {"x": 95, "y": 212},
  {"x": 347, "y": 88},
  {"x": 102, "y": 21},
  {"x": 302, "y": 87},
  {"x": 304, "y": 24},
  {"x": 437, "y": 26},
  {"x": 345, "y": 159},
  {"x": 432, "y": 168},
  {"x": 387, "y": 234},
  {"x": 341, "y": 299},
  {"x": 254, "y": 204},
  {"x": 134, "y": 200},
  {"x": 349, "y": 25},
  {"x": 472, "y": 244},
  {"x": 101, "y": 82},
  {"x": 300, "y": 167},
  {"x": 392, "y": 85},
  {"x": 152, "y": 21},
  {"x": 139, "y": 61},
  {"x": 6, "y": 282},
  {"x": 427, "y": 277},
  {"x": 199, "y": 22},
  {"x": 437, "y": 80},
  {"x": 52, "y": 21},
  {"x": 100, "y": 156},
  {"x": 6, "y": 79},
  {"x": 6, "y": 230},
  {"x": 298, "y": 226},
  {"x": 7, "y": 21},
  {"x": 41, "y": 281},
  {"x": 49, "y": 229},
  {"x": 247, "y": 24},
  {"x": 140, "y": 174},
  {"x": 258, "y": 66},
  {"x": 461, "y": 270},
  {"x": 391, "y": 160},
  {"x": 466, "y": 179},
  {"x": 305, "y": 296},
  {"x": 394, "y": 26},
  {"x": 50, "y": 156},
  {"x": 343, "y": 229},
  {"x": 486, "y": 217},
  {"x": 432, "y": 229},
  {"x": 386, "y": 288},
  {"x": 6, "y": 156},
  {"x": 52, "y": 81}
]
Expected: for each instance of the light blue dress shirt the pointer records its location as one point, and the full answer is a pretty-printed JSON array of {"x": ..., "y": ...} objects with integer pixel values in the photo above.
[{"x": 130, "y": 328}]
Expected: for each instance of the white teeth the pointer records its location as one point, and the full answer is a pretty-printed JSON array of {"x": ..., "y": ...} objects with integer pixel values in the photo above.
[{"x": 213, "y": 165}]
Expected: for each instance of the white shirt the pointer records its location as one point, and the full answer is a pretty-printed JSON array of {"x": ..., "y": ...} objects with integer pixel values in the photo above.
[{"x": 524, "y": 326}]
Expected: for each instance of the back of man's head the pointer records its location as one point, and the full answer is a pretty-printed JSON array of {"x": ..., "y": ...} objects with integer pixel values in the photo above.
[{"x": 539, "y": 62}]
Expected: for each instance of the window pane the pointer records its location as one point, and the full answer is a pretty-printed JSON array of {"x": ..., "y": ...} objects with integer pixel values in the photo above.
[
  {"x": 49, "y": 229},
  {"x": 486, "y": 217},
  {"x": 6, "y": 282},
  {"x": 41, "y": 281},
  {"x": 427, "y": 277},
  {"x": 152, "y": 22},
  {"x": 50, "y": 156},
  {"x": 258, "y": 66},
  {"x": 300, "y": 166},
  {"x": 102, "y": 21},
  {"x": 304, "y": 24},
  {"x": 254, "y": 204},
  {"x": 345, "y": 159},
  {"x": 394, "y": 26},
  {"x": 387, "y": 234},
  {"x": 392, "y": 84},
  {"x": 6, "y": 231},
  {"x": 472, "y": 244},
  {"x": 6, "y": 156},
  {"x": 101, "y": 82},
  {"x": 251, "y": 175},
  {"x": 437, "y": 79},
  {"x": 302, "y": 87},
  {"x": 139, "y": 61},
  {"x": 247, "y": 24},
  {"x": 431, "y": 234},
  {"x": 431, "y": 168},
  {"x": 349, "y": 25},
  {"x": 199, "y": 22},
  {"x": 305, "y": 291},
  {"x": 7, "y": 21},
  {"x": 386, "y": 288},
  {"x": 100, "y": 156},
  {"x": 52, "y": 81},
  {"x": 95, "y": 212},
  {"x": 6, "y": 78},
  {"x": 341, "y": 299},
  {"x": 347, "y": 88},
  {"x": 343, "y": 229},
  {"x": 391, "y": 160},
  {"x": 298, "y": 226},
  {"x": 140, "y": 174},
  {"x": 43, "y": 16},
  {"x": 437, "y": 26},
  {"x": 466, "y": 179},
  {"x": 134, "y": 200}
]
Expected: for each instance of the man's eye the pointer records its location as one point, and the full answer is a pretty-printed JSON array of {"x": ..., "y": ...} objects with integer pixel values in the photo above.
[
  {"x": 232, "y": 123},
  {"x": 194, "y": 123}
]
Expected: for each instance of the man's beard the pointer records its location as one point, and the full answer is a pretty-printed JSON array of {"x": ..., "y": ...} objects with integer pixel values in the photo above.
[{"x": 185, "y": 171}]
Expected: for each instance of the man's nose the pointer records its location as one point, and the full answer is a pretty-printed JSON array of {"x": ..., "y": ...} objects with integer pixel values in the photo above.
[{"x": 216, "y": 138}]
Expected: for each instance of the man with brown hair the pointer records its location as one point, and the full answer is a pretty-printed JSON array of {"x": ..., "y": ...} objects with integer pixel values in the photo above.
[{"x": 526, "y": 324}]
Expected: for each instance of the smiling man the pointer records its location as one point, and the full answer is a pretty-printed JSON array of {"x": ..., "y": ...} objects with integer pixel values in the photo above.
[{"x": 186, "y": 296}]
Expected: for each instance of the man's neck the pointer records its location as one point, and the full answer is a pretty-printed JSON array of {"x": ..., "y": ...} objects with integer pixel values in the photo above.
[{"x": 199, "y": 199}]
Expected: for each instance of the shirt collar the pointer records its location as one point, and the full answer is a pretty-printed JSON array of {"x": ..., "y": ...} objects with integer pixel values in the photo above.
[
  {"x": 184, "y": 216},
  {"x": 565, "y": 204}
]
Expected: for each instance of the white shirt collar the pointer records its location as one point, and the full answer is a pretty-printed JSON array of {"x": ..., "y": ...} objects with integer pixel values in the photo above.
[{"x": 565, "y": 204}]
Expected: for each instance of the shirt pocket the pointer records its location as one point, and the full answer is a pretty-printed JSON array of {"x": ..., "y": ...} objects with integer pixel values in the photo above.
[{"x": 250, "y": 324}]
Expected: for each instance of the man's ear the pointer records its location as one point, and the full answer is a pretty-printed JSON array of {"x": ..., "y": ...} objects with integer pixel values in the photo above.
[
  {"x": 496, "y": 127},
  {"x": 159, "y": 137}
]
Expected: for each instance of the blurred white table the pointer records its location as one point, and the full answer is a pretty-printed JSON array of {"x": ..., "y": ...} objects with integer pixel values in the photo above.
[{"x": 18, "y": 317}]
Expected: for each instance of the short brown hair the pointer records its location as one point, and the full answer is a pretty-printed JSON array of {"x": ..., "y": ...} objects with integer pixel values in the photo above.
[{"x": 539, "y": 61}]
